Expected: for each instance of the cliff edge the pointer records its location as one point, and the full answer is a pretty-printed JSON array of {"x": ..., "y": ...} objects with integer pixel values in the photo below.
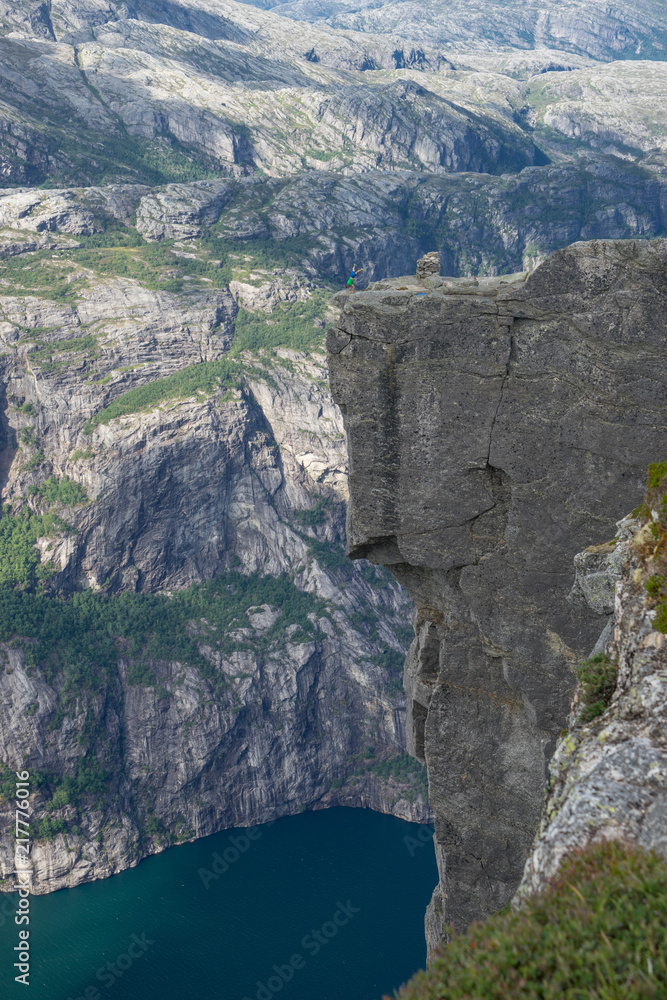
[{"x": 495, "y": 428}]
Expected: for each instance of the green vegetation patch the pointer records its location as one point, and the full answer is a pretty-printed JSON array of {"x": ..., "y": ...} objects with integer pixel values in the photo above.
[
  {"x": 597, "y": 677},
  {"x": 79, "y": 639},
  {"x": 20, "y": 564},
  {"x": 291, "y": 324},
  {"x": 123, "y": 252},
  {"x": 652, "y": 551},
  {"x": 205, "y": 378},
  {"x": 264, "y": 254},
  {"x": 405, "y": 770},
  {"x": 314, "y": 516},
  {"x": 40, "y": 274},
  {"x": 598, "y": 933},
  {"x": 656, "y": 473},
  {"x": 86, "y": 343},
  {"x": 59, "y": 491},
  {"x": 34, "y": 462}
]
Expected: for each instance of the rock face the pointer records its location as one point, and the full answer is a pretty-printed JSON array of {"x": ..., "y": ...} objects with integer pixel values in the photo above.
[
  {"x": 630, "y": 29},
  {"x": 495, "y": 427},
  {"x": 218, "y": 478},
  {"x": 608, "y": 777}
]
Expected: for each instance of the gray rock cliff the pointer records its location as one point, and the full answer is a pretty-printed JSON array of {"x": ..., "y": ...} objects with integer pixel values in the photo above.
[
  {"x": 218, "y": 482},
  {"x": 495, "y": 428},
  {"x": 608, "y": 776}
]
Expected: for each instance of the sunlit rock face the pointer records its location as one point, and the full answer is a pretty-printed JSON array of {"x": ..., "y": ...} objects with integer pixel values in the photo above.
[
  {"x": 219, "y": 481},
  {"x": 495, "y": 428}
]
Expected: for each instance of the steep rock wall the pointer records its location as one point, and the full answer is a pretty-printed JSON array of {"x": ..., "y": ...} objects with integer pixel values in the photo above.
[
  {"x": 215, "y": 480},
  {"x": 495, "y": 428},
  {"x": 608, "y": 776}
]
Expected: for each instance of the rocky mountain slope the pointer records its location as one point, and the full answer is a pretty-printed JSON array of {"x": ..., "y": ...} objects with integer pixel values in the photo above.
[
  {"x": 155, "y": 91},
  {"x": 185, "y": 646},
  {"x": 495, "y": 426},
  {"x": 225, "y": 89},
  {"x": 186, "y": 184},
  {"x": 631, "y": 29}
]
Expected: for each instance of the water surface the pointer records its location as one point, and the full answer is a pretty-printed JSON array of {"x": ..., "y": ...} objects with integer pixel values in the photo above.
[{"x": 321, "y": 906}]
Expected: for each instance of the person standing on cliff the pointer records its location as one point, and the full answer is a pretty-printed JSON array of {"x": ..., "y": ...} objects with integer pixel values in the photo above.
[{"x": 353, "y": 275}]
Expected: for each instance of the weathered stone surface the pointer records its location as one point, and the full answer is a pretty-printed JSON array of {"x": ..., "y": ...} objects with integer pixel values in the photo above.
[
  {"x": 608, "y": 778},
  {"x": 495, "y": 427},
  {"x": 428, "y": 265}
]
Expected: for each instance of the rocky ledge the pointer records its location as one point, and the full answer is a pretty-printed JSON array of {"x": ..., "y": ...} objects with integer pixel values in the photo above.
[{"x": 495, "y": 428}]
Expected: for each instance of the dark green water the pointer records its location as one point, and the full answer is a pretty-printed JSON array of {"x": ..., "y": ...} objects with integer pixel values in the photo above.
[{"x": 357, "y": 880}]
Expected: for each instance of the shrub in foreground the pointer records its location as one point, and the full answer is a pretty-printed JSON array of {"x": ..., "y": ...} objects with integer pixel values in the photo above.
[{"x": 598, "y": 933}]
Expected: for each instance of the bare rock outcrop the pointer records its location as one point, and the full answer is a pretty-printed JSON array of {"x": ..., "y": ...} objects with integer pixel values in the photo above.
[
  {"x": 608, "y": 776},
  {"x": 495, "y": 428}
]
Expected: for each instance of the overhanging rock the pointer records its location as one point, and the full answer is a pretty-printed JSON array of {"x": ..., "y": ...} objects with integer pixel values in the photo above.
[{"x": 495, "y": 428}]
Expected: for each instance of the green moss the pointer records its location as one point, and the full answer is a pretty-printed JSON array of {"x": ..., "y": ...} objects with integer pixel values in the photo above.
[
  {"x": 660, "y": 620},
  {"x": 597, "y": 677},
  {"x": 598, "y": 933},
  {"x": 656, "y": 473},
  {"x": 655, "y": 584}
]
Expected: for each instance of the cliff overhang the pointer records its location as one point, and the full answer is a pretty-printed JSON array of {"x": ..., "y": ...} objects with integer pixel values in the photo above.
[{"x": 496, "y": 427}]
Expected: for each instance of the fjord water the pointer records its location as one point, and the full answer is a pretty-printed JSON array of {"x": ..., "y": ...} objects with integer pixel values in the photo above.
[{"x": 356, "y": 880}]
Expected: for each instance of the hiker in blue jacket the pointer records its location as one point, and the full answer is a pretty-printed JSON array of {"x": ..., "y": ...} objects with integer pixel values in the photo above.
[{"x": 353, "y": 274}]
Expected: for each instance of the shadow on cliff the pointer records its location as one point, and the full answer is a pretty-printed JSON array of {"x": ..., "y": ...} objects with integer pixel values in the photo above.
[{"x": 8, "y": 442}]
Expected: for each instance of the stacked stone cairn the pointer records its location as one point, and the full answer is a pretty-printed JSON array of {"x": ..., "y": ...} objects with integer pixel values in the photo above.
[{"x": 428, "y": 265}]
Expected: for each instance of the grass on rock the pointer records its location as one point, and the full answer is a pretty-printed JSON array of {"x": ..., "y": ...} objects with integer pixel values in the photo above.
[
  {"x": 597, "y": 677},
  {"x": 598, "y": 933}
]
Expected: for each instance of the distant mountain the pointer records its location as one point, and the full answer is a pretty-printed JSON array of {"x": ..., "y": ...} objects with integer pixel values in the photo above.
[
  {"x": 629, "y": 29},
  {"x": 164, "y": 91}
]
